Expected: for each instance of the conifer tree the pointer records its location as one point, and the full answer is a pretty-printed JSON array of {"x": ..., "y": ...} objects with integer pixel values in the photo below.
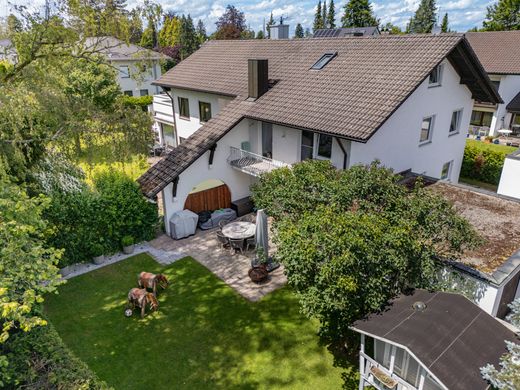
[
  {"x": 444, "y": 25},
  {"x": 504, "y": 15},
  {"x": 298, "y": 32},
  {"x": 424, "y": 17},
  {"x": 318, "y": 19},
  {"x": 268, "y": 26},
  {"x": 358, "y": 13},
  {"x": 331, "y": 16}
]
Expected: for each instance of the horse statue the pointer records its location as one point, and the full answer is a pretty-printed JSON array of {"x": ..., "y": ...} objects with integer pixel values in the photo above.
[
  {"x": 149, "y": 280},
  {"x": 139, "y": 297}
]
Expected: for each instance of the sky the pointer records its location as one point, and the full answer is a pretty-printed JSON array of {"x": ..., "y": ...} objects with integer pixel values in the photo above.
[{"x": 463, "y": 14}]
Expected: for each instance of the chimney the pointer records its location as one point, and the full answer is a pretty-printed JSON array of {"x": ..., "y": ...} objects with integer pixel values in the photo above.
[
  {"x": 258, "y": 81},
  {"x": 279, "y": 31}
]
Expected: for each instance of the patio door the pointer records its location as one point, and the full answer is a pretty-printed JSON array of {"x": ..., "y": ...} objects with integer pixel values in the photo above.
[{"x": 267, "y": 140}]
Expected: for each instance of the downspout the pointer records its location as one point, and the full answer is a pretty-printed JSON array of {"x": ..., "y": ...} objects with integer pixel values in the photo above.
[
  {"x": 344, "y": 152},
  {"x": 167, "y": 92}
]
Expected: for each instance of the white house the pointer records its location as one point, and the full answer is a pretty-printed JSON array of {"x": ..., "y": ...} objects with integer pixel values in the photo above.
[
  {"x": 429, "y": 341},
  {"x": 137, "y": 67},
  {"x": 248, "y": 106},
  {"x": 499, "y": 53}
]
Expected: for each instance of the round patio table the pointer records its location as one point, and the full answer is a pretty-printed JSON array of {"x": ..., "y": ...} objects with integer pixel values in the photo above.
[{"x": 239, "y": 230}]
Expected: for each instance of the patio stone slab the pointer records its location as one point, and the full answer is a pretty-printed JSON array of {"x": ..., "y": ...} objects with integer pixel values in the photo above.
[{"x": 229, "y": 267}]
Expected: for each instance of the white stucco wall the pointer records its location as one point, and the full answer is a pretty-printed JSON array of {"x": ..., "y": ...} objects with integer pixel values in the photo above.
[
  {"x": 143, "y": 81},
  {"x": 186, "y": 127},
  {"x": 510, "y": 179},
  {"x": 397, "y": 145},
  {"x": 508, "y": 89},
  {"x": 200, "y": 171}
]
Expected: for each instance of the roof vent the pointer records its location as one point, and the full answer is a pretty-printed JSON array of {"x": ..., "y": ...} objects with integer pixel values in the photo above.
[
  {"x": 419, "y": 306},
  {"x": 258, "y": 81}
]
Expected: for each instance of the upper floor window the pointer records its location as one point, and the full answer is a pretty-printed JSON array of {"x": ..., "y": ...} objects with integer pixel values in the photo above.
[
  {"x": 324, "y": 145},
  {"x": 124, "y": 71},
  {"x": 435, "y": 76},
  {"x": 204, "y": 111},
  {"x": 456, "y": 117},
  {"x": 184, "y": 107},
  {"x": 426, "y": 130}
]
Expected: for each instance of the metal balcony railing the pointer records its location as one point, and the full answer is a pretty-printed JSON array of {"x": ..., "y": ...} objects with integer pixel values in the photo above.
[{"x": 252, "y": 163}]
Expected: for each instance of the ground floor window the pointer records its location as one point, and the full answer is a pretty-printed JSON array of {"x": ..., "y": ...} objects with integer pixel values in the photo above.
[
  {"x": 143, "y": 92},
  {"x": 446, "y": 170},
  {"x": 481, "y": 118},
  {"x": 128, "y": 93},
  {"x": 324, "y": 145},
  {"x": 168, "y": 134},
  {"x": 515, "y": 124}
]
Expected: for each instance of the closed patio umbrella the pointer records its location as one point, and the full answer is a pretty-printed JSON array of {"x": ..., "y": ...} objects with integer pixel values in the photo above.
[{"x": 262, "y": 233}]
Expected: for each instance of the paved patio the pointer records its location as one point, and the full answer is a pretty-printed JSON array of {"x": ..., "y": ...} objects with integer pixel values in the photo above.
[{"x": 231, "y": 268}]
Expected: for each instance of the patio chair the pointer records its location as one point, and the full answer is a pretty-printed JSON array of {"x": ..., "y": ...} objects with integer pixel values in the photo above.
[
  {"x": 248, "y": 218},
  {"x": 250, "y": 243},
  {"x": 223, "y": 223},
  {"x": 222, "y": 240},
  {"x": 237, "y": 243}
]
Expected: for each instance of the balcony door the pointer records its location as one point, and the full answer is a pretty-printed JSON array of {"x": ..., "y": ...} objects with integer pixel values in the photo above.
[
  {"x": 267, "y": 140},
  {"x": 307, "y": 146}
]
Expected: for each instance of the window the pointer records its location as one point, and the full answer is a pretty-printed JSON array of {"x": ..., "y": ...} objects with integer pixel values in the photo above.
[
  {"x": 184, "y": 107},
  {"x": 435, "y": 76},
  {"x": 124, "y": 71},
  {"x": 426, "y": 130},
  {"x": 455, "y": 121},
  {"x": 267, "y": 140},
  {"x": 445, "y": 173},
  {"x": 307, "y": 147},
  {"x": 168, "y": 134},
  {"x": 324, "y": 60},
  {"x": 204, "y": 111},
  {"x": 324, "y": 145},
  {"x": 143, "y": 92},
  {"x": 481, "y": 118},
  {"x": 128, "y": 93}
]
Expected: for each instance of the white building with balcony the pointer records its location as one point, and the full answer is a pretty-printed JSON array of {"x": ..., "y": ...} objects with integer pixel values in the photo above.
[
  {"x": 241, "y": 108},
  {"x": 499, "y": 53}
]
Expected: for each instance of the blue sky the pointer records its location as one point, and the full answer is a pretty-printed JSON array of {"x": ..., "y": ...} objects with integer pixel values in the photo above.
[{"x": 463, "y": 14}]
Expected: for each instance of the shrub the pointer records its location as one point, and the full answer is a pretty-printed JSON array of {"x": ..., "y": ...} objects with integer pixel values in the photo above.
[
  {"x": 134, "y": 101},
  {"x": 127, "y": 241},
  {"x": 103, "y": 215},
  {"x": 40, "y": 360},
  {"x": 484, "y": 162}
]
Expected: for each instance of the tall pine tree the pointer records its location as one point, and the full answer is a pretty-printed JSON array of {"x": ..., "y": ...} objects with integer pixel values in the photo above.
[
  {"x": 424, "y": 17},
  {"x": 298, "y": 32},
  {"x": 269, "y": 24},
  {"x": 331, "y": 17},
  {"x": 358, "y": 13},
  {"x": 201, "y": 32},
  {"x": 324, "y": 17},
  {"x": 445, "y": 25},
  {"x": 188, "y": 37},
  {"x": 318, "y": 19},
  {"x": 504, "y": 15}
]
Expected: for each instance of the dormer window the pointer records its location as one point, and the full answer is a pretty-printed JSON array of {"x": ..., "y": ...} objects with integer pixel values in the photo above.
[
  {"x": 324, "y": 60},
  {"x": 435, "y": 76}
]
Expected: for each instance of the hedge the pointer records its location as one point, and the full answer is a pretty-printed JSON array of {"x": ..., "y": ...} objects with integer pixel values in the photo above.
[
  {"x": 40, "y": 360},
  {"x": 137, "y": 101},
  {"x": 483, "y": 161},
  {"x": 100, "y": 217}
]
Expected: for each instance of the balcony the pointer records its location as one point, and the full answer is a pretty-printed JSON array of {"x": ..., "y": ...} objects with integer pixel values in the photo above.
[
  {"x": 379, "y": 377},
  {"x": 251, "y": 163}
]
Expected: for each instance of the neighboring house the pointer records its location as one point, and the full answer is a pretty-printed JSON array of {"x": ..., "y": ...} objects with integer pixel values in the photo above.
[
  {"x": 246, "y": 107},
  {"x": 430, "y": 341},
  {"x": 346, "y": 32},
  {"x": 499, "y": 53},
  {"x": 137, "y": 67}
]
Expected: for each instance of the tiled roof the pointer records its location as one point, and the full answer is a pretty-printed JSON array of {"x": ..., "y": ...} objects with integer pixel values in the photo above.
[
  {"x": 351, "y": 97},
  {"x": 498, "y": 51},
  {"x": 116, "y": 49},
  {"x": 345, "y": 31}
]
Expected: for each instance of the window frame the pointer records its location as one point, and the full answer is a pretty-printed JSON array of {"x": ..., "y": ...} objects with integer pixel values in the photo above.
[
  {"x": 448, "y": 173},
  {"x": 123, "y": 74},
  {"x": 431, "y": 118},
  {"x": 324, "y": 60},
  {"x": 317, "y": 142},
  {"x": 200, "y": 111},
  {"x": 184, "y": 117},
  {"x": 459, "y": 120},
  {"x": 438, "y": 70}
]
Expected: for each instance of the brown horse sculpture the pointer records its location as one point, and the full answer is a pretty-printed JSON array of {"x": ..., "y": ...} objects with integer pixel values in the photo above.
[
  {"x": 149, "y": 280},
  {"x": 139, "y": 297}
]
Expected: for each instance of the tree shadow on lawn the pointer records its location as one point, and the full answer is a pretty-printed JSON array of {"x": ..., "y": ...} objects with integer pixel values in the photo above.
[{"x": 204, "y": 335}]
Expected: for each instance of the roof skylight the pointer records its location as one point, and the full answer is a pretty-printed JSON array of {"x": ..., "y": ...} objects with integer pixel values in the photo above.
[{"x": 324, "y": 60}]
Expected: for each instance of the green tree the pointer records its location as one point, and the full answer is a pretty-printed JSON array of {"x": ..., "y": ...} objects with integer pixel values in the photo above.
[
  {"x": 324, "y": 14},
  {"x": 444, "y": 24},
  {"x": 392, "y": 29},
  {"x": 358, "y": 13},
  {"x": 318, "y": 18},
  {"x": 170, "y": 33},
  {"x": 298, "y": 31},
  {"x": 136, "y": 27},
  {"x": 260, "y": 34},
  {"x": 231, "y": 24},
  {"x": 504, "y": 15},
  {"x": 152, "y": 13},
  {"x": 331, "y": 16},
  {"x": 202, "y": 36},
  {"x": 350, "y": 240},
  {"x": 188, "y": 37},
  {"x": 268, "y": 26},
  {"x": 424, "y": 18}
]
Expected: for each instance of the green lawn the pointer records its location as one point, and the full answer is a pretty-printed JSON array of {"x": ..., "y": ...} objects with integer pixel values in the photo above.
[
  {"x": 203, "y": 336},
  {"x": 483, "y": 145}
]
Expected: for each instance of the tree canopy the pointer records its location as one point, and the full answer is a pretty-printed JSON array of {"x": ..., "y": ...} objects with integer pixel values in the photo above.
[
  {"x": 424, "y": 17},
  {"x": 231, "y": 24},
  {"x": 358, "y": 13},
  {"x": 298, "y": 31},
  {"x": 351, "y": 240},
  {"x": 318, "y": 18},
  {"x": 503, "y": 15}
]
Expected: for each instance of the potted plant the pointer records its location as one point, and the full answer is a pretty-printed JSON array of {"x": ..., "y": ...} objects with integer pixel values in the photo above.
[
  {"x": 258, "y": 273},
  {"x": 97, "y": 252},
  {"x": 128, "y": 244}
]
